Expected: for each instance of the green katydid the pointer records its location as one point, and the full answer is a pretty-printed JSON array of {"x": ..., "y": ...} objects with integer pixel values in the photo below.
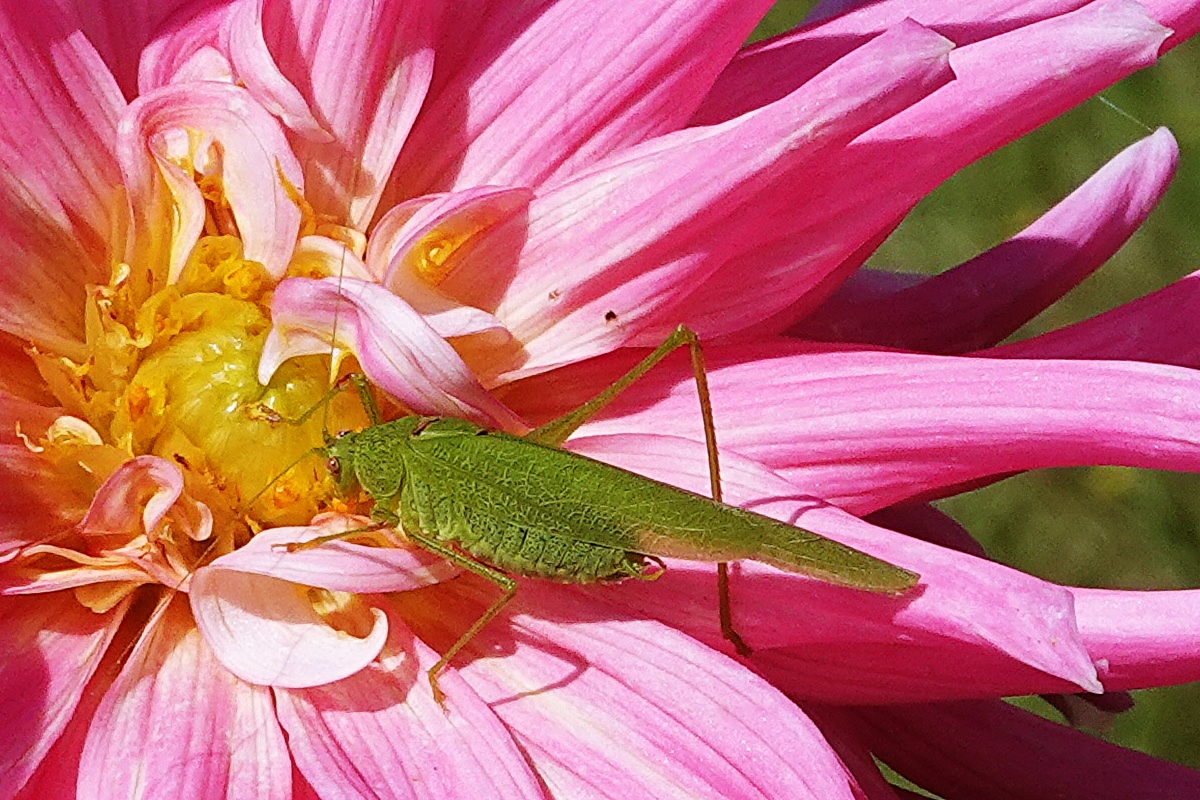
[{"x": 501, "y": 505}]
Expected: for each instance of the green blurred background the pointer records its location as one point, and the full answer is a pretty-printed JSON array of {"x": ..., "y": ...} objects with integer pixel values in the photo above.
[{"x": 1098, "y": 526}]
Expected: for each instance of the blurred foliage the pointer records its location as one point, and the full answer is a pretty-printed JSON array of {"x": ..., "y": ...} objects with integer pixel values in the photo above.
[{"x": 1099, "y": 526}]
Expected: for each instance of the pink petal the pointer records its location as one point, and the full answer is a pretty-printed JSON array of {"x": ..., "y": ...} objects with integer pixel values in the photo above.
[
  {"x": 58, "y": 177},
  {"x": 984, "y": 300},
  {"x": 668, "y": 226},
  {"x": 189, "y": 47},
  {"x": 379, "y": 733},
  {"x": 1161, "y": 327},
  {"x": 52, "y": 646},
  {"x": 19, "y": 377},
  {"x": 156, "y": 486},
  {"x": 396, "y": 347},
  {"x": 362, "y": 72},
  {"x": 175, "y": 724},
  {"x": 539, "y": 92},
  {"x": 1013, "y": 633},
  {"x": 989, "y": 749},
  {"x": 868, "y": 429},
  {"x": 608, "y": 705},
  {"x": 1141, "y": 639},
  {"x": 1051, "y": 66},
  {"x": 257, "y": 164},
  {"x": 267, "y": 631}
]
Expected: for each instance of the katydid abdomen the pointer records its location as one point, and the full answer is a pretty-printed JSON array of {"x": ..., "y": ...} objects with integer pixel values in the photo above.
[{"x": 538, "y": 511}]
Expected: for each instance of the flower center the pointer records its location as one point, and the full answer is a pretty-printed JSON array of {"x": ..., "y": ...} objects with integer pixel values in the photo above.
[{"x": 172, "y": 373}]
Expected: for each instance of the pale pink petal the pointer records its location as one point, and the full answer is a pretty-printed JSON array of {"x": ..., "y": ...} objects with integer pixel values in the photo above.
[
  {"x": 255, "y": 170},
  {"x": 540, "y": 91},
  {"x": 337, "y": 565},
  {"x": 990, "y": 750},
  {"x": 397, "y": 348},
  {"x": 967, "y": 615},
  {"x": 156, "y": 486},
  {"x": 379, "y": 733},
  {"x": 636, "y": 250},
  {"x": 867, "y": 429},
  {"x": 176, "y": 724},
  {"x": 984, "y": 300},
  {"x": 267, "y": 630},
  {"x": 1050, "y": 67},
  {"x": 361, "y": 71},
  {"x": 610, "y": 705},
  {"x": 1161, "y": 327},
  {"x": 1141, "y": 639},
  {"x": 59, "y": 182},
  {"x": 52, "y": 646}
]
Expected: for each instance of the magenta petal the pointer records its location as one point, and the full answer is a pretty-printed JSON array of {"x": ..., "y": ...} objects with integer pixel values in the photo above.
[
  {"x": 1050, "y": 67},
  {"x": 867, "y": 429},
  {"x": 967, "y": 616},
  {"x": 539, "y": 91},
  {"x": 1161, "y": 327},
  {"x": 607, "y": 705},
  {"x": 380, "y": 734},
  {"x": 175, "y": 721},
  {"x": 674, "y": 220},
  {"x": 397, "y": 348},
  {"x": 1141, "y": 639},
  {"x": 52, "y": 646},
  {"x": 982, "y": 301},
  {"x": 993, "y": 751}
]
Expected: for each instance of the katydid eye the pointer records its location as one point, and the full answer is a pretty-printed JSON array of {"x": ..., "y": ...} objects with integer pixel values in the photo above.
[{"x": 334, "y": 466}]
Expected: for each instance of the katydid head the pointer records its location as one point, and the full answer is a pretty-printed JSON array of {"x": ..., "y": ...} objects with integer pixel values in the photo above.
[{"x": 339, "y": 461}]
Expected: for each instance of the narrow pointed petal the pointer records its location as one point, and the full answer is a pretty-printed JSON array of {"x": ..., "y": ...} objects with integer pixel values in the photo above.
[
  {"x": 984, "y": 300},
  {"x": 990, "y": 750},
  {"x": 593, "y": 82},
  {"x": 1015, "y": 633},
  {"x": 1161, "y": 328},
  {"x": 1141, "y": 639},
  {"x": 59, "y": 183},
  {"x": 380, "y": 734},
  {"x": 258, "y": 173},
  {"x": 868, "y": 429},
  {"x": 52, "y": 646},
  {"x": 610, "y": 705},
  {"x": 800, "y": 247},
  {"x": 176, "y": 724},
  {"x": 396, "y": 347},
  {"x": 306, "y": 54},
  {"x": 668, "y": 226}
]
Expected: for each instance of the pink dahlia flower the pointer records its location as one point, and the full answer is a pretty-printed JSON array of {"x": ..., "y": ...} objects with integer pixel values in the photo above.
[{"x": 211, "y": 208}]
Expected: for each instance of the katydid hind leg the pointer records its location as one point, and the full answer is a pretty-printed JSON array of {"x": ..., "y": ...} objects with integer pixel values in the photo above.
[
  {"x": 557, "y": 431},
  {"x": 497, "y": 577}
]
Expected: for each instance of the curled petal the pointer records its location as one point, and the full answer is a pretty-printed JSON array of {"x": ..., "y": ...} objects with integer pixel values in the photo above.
[
  {"x": 459, "y": 750},
  {"x": 155, "y": 485},
  {"x": 188, "y": 47},
  {"x": 268, "y": 632},
  {"x": 175, "y": 714},
  {"x": 669, "y": 225},
  {"x": 396, "y": 346},
  {"x": 982, "y": 301},
  {"x": 257, "y": 172}
]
